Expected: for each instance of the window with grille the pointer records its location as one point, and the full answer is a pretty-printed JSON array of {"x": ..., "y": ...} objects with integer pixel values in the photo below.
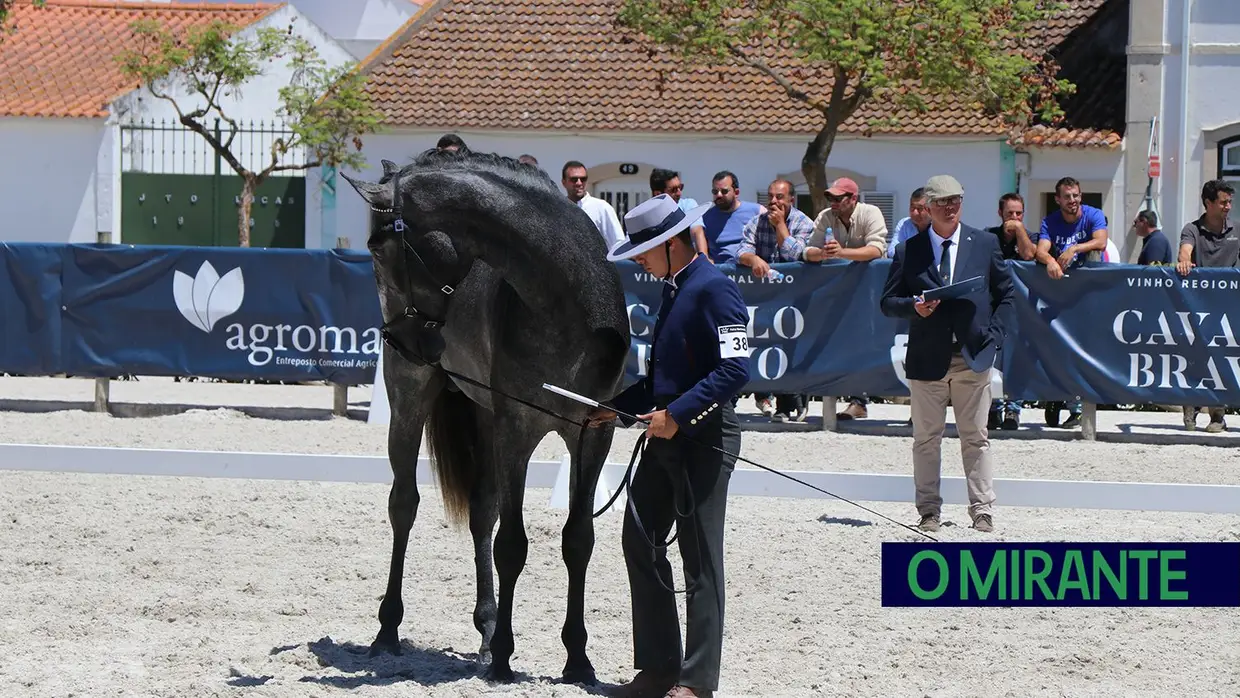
[
  {"x": 886, "y": 202},
  {"x": 1229, "y": 159}
]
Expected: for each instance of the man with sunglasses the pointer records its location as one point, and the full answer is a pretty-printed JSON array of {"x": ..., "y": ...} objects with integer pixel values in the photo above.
[
  {"x": 574, "y": 178},
  {"x": 724, "y": 223},
  {"x": 952, "y": 343},
  {"x": 858, "y": 234}
]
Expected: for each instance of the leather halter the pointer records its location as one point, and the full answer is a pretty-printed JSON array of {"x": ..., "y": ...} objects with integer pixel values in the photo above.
[{"x": 414, "y": 335}]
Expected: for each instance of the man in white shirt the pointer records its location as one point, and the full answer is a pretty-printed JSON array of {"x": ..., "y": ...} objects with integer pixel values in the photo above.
[{"x": 574, "y": 177}]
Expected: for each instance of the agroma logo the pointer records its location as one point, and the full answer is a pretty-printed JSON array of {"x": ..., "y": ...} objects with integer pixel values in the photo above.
[{"x": 207, "y": 298}]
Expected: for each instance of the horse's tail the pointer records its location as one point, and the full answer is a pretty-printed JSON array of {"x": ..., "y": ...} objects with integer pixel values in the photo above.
[{"x": 452, "y": 441}]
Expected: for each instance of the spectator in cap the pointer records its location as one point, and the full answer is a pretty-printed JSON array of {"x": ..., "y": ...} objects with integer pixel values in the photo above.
[
  {"x": 952, "y": 344},
  {"x": 858, "y": 233}
]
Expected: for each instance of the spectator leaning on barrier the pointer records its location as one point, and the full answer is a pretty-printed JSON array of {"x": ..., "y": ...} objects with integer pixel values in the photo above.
[
  {"x": 858, "y": 234},
  {"x": 1014, "y": 244},
  {"x": 1071, "y": 233},
  {"x": 668, "y": 182},
  {"x": 952, "y": 346},
  {"x": 917, "y": 220},
  {"x": 724, "y": 222},
  {"x": 574, "y": 177},
  {"x": 779, "y": 235},
  {"x": 1068, "y": 237},
  {"x": 1155, "y": 248},
  {"x": 1210, "y": 241}
]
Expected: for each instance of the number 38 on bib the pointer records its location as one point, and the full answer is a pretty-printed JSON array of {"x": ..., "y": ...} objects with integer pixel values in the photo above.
[{"x": 733, "y": 342}]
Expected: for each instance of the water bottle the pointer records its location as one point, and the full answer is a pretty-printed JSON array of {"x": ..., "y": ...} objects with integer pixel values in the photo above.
[{"x": 774, "y": 275}]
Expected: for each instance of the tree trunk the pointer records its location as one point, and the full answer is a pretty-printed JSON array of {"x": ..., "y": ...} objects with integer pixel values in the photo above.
[
  {"x": 814, "y": 166},
  {"x": 247, "y": 200}
]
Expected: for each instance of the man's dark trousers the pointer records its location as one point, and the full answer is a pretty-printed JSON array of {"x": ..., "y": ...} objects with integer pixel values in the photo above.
[{"x": 660, "y": 491}]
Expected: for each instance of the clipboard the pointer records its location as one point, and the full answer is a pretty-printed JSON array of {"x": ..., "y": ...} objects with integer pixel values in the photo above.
[{"x": 956, "y": 290}]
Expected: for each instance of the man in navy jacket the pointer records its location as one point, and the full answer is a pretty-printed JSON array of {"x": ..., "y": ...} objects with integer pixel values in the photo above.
[
  {"x": 699, "y": 361},
  {"x": 951, "y": 345}
]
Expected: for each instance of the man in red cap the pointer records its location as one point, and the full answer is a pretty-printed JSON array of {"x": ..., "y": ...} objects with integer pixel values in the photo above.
[{"x": 858, "y": 233}]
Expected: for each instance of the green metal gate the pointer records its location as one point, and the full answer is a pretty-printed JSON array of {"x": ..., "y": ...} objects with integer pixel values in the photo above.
[{"x": 175, "y": 190}]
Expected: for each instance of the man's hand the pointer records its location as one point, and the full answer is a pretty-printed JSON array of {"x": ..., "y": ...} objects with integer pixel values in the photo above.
[
  {"x": 923, "y": 306},
  {"x": 760, "y": 267},
  {"x": 1053, "y": 270},
  {"x": 1183, "y": 267},
  {"x": 813, "y": 254},
  {"x": 1066, "y": 258},
  {"x": 831, "y": 249},
  {"x": 777, "y": 214},
  {"x": 662, "y": 426},
  {"x": 599, "y": 416}
]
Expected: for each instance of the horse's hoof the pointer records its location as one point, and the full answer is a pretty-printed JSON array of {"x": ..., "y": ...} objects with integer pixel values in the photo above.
[
  {"x": 500, "y": 674},
  {"x": 583, "y": 676},
  {"x": 484, "y": 657},
  {"x": 383, "y": 644}
]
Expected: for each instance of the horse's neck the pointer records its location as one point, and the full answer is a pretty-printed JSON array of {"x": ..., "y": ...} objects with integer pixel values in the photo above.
[{"x": 545, "y": 275}]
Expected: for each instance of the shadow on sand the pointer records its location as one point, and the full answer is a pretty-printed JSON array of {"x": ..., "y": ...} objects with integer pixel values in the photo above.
[{"x": 421, "y": 665}]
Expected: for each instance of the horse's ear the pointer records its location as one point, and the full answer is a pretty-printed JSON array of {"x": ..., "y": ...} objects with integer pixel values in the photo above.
[
  {"x": 376, "y": 195},
  {"x": 389, "y": 167}
]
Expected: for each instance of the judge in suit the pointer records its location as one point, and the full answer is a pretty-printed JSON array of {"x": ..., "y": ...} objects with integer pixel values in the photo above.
[{"x": 952, "y": 345}]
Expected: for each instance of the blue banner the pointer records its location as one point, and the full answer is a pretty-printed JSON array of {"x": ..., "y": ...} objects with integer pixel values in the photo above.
[
  {"x": 817, "y": 331},
  {"x": 1060, "y": 574},
  {"x": 1120, "y": 334},
  {"x": 269, "y": 314},
  {"x": 1109, "y": 334}
]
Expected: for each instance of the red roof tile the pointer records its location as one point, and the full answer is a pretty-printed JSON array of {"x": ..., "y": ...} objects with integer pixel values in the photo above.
[
  {"x": 556, "y": 64},
  {"x": 61, "y": 60}
]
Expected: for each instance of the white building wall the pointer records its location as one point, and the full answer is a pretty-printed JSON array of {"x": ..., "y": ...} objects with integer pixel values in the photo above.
[
  {"x": 358, "y": 25},
  {"x": 898, "y": 165},
  {"x": 1207, "y": 100},
  {"x": 256, "y": 101},
  {"x": 48, "y": 194},
  {"x": 1100, "y": 171}
]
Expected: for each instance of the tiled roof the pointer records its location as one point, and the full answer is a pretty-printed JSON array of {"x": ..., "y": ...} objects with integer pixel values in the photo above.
[
  {"x": 1047, "y": 137},
  {"x": 1094, "y": 58},
  {"x": 61, "y": 60},
  {"x": 560, "y": 64}
]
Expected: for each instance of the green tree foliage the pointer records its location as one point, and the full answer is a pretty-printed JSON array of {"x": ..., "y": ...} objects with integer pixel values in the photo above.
[
  {"x": 833, "y": 56},
  {"x": 325, "y": 108}
]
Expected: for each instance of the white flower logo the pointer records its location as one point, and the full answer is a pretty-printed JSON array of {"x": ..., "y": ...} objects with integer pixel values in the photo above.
[
  {"x": 207, "y": 298},
  {"x": 898, "y": 352}
]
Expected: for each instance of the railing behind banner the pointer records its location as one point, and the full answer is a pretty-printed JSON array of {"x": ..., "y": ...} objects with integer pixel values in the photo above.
[{"x": 1106, "y": 334}]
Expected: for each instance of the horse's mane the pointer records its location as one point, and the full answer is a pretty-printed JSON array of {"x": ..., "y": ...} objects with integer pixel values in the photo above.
[
  {"x": 587, "y": 255},
  {"x": 510, "y": 169}
]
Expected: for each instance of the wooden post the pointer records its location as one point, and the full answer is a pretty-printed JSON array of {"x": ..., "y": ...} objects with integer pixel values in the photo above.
[
  {"x": 829, "y": 405},
  {"x": 1089, "y": 421},
  {"x": 340, "y": 400},
  {"x": 102, "y": 389}
]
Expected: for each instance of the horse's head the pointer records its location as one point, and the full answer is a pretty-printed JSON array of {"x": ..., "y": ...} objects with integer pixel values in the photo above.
[{"x": 417, "y": 270}]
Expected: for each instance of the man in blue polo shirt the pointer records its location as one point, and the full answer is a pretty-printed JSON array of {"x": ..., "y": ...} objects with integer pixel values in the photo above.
[
  {"x": 1071, "y": 233},
  {"x": 1067, "y": 238}
]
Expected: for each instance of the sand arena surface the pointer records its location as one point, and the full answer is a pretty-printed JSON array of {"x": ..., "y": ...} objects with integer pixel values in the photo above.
[{"x": 164, "y": 586}]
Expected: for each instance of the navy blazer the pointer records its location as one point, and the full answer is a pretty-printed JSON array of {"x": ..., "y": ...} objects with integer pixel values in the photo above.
[
  {"x": 699, "y": 349},
  {"x": 979, "y": 320}
]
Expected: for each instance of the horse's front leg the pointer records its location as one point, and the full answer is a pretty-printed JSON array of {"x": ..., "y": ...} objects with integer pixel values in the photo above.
[{"x": 404, "y": 444}]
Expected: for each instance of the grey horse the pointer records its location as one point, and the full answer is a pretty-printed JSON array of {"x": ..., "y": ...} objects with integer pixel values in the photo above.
[{"x": 486, "y": 270}]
